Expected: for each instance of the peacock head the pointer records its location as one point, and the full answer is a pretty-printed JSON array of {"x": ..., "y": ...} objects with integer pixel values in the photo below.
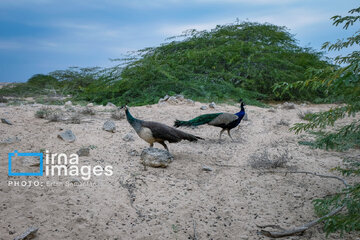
[
  {"x": 124, "y": 107},
  {"x": 242, "y": 104}
]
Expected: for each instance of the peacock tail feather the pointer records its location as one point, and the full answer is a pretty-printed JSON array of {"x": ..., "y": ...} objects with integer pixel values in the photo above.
[{"x": 199, "y": 120}]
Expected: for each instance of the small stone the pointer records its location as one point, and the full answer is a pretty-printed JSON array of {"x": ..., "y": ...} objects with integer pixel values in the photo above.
[
  {"x": 128, "y": 137},
  {"x": 68, "y": 103},
  {"x": 172, "y": 100},
  {"x": 109, "y": 126},
  {"x": 179, "y": 97},
  {"x": 206, "y": 168},
  {"x": 166, "y": 97},
  {"x": 154, "y": 157},
  {"x": 297, "y": 195},
  {"x": 3, "y": 105},
  {"x": 133, "y": 153},
  {"x": 90, "y": 105},
  {"x": 109, "y": 104},
  {"x": 212, "y": 105},
  {"x": 118, "y": 114},
  {"x": 67, "y": 136},
  {"x": 203, "y": 107},
  {"x": 3, "y": 120},
  {"x": 9, "y": 140},
  {"x": 272, "y": 110},
  {"x": 189, "y": 101},
  {"x": 85, "y": 151},
  {"x": 287, "y": 105},
  {"x": 75, "y": 180},
  {"x": 283, "y": 123}
]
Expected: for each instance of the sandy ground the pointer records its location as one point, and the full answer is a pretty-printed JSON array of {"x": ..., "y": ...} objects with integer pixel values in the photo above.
[{"x": 172, "y": 203}]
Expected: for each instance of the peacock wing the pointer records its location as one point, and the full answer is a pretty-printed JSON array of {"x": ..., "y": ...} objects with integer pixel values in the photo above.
[
  {"x": 223, "y": 119},
  {"x": 165, "y": 133}
]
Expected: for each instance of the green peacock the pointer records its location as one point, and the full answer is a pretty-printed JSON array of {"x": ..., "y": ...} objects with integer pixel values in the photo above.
[{"x": 226, "y": 121}]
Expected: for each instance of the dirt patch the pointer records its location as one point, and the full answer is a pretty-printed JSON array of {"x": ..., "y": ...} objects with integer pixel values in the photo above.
[{"x": 178, "y": 202}]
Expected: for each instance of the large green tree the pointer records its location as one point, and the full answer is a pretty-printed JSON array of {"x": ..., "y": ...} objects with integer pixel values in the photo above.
[{"x": 212, "y": 64}]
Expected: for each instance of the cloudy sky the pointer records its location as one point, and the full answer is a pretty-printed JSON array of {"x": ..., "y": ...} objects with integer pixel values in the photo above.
[{"x": 40, "y": 36}]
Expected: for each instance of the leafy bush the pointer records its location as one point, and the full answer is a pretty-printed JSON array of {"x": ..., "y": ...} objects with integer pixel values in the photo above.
[
  {"x": 219, "y": 64},
  {"x": 343, "y": 83},
  {"x": 240, "y": 60}
]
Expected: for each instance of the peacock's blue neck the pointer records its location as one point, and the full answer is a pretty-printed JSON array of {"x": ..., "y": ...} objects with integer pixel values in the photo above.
[{"x": 241, "y": 113}]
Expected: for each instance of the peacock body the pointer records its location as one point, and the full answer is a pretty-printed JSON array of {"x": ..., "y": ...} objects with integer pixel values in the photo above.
[
  {"x": 152, "y": 132},
  {"x": 226, "y": 121}
]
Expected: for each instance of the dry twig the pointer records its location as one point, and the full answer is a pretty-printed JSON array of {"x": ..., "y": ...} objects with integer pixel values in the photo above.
[
  {"x": 304, "y": 227},
  {"x": 194, "y": 237},
  {"x": 28, "y": 234}
]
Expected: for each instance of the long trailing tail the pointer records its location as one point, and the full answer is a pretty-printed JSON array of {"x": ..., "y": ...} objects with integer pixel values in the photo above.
[
  {"x": 192, "y": 138},
  {"x": 199, "y": 120},
  {"x": 176, "y": 135},
  {"x": 197, "y": 137}
]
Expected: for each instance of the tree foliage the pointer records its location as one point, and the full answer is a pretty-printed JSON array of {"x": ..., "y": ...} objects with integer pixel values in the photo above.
[
  {"x": 239, "y": 60},
  {"x": 216, "y": 64},
  {"x": 343, "y": 84}
]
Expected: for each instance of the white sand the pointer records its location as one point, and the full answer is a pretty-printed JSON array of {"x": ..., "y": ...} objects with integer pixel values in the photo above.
[{"x": 226, "y": 203}]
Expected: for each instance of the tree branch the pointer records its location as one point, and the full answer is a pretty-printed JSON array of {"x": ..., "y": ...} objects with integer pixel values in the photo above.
[{"x": 308, "y": 225}]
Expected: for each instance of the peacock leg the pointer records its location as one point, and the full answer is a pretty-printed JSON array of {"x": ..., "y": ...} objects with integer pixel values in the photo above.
[
  {"x": 221, "y": 132},
  {"x": 163, "y": 143},
  {"x": 229, "y": 134}
]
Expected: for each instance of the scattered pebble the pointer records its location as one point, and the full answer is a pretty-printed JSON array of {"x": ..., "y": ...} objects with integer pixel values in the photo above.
[
  {"x": 109, "y": 126},
  {"x": 67, "y": 136},
  {"x": 84, "y": 151},
  {"x": 3, "y": 120},
  {"x": 154, "y": 157},
  {"x": 109, "y": 104},
  {"x": 129, "y": 137},
  {"x": 212, "y": 105},
  {"x": 75, "y": 180},
  {"x": 206, "y": 168},
  {"x": 9, "y": 140},
  {"x": 203, "y": 107},
  {"x": 283, "y": 123},
  {"x": 287, "y": 105}
]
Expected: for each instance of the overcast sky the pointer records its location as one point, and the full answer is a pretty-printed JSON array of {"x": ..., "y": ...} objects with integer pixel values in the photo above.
[{"x": 40, "y": 36}]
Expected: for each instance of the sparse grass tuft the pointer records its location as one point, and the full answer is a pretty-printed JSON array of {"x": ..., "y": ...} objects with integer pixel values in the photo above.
[
  {"x": 75, "y": 118},
  {"x": 118, "y": 114},
  {"x": 3, "y": 100},
  {"x": 55, "y": 116},
  {"x": 305, "y": 115},
  {"x": 88, "y": 111},
  {"x": 263, "y": 160},
  {"x": 43, "y": 112},
  {"x": 283, "y": 123},
  {"x": 50, "y": 114}
]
